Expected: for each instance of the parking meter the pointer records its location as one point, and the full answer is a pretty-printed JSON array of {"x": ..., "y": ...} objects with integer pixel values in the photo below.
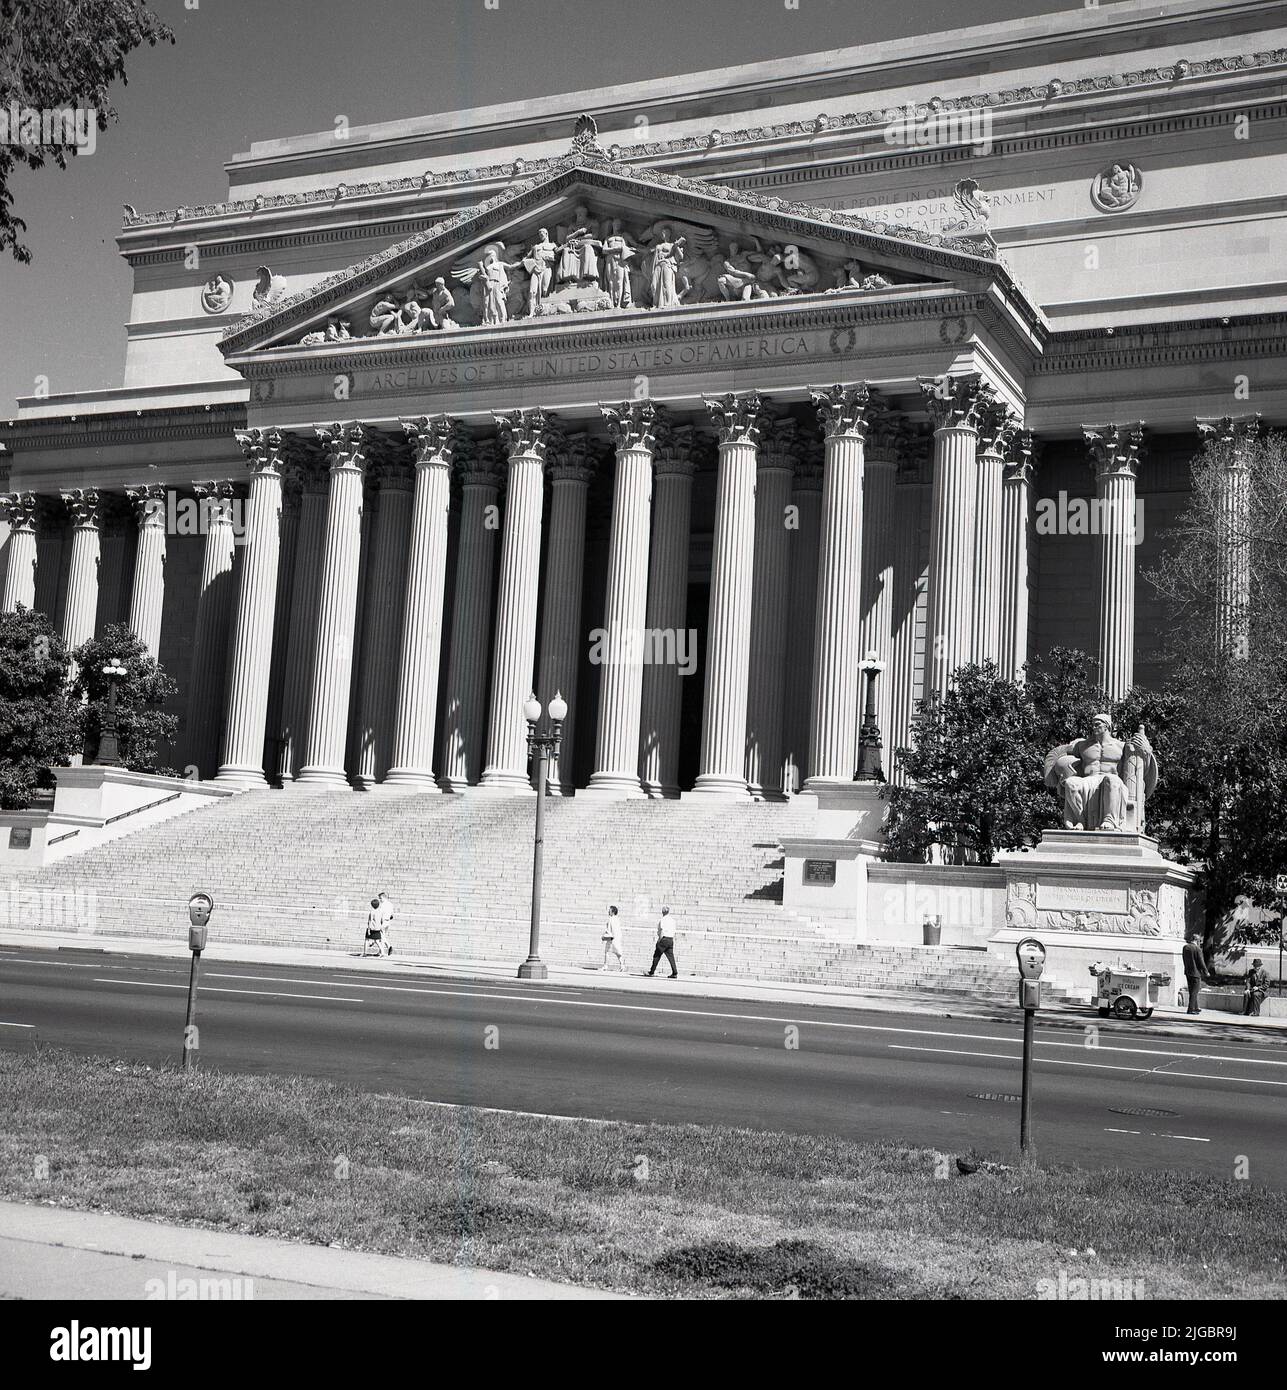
[
  {"x": 1032, "y": 961},
  {"x": 200, "y": 906}
]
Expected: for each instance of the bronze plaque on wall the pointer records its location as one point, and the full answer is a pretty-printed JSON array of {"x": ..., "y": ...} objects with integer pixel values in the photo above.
[{"x": 820, "y": 871}]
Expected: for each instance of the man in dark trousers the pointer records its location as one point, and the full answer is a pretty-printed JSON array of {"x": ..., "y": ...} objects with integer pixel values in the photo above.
[
  {"x": 1195, "y": 970},
  {"x": 665, "y": 944}
]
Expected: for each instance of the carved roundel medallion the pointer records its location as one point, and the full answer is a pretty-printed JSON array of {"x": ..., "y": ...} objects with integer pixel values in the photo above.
[
  {"x": 1116, "y": 188},
  {"x": 216, "y": 294},
  {"x": 843, "y": 340},
  {"x": 953, "y": 331}
]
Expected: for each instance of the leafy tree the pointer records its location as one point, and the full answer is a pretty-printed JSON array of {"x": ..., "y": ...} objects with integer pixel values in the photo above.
[
  {"x": 976, "y": 760},
  {"x": 56, "y": 55},
  {"x": 39, "y": 724},
  {"x": 141, "y": 723},
  {"x": 1223, "y": 804}
]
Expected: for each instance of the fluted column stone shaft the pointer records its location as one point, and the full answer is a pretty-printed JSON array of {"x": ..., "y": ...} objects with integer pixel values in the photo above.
[
  {"x": 1236, "y": 438},
  {"x": 766, "y": 691},
  {"x": 997, "y": 428},
  {"x": 908, "y": 579},
  {"x": 722, "y": 770},
  {"x": 1116, "y": 451},
  {"x": 833, "y": 725},
  {"x": 301, "y": 637},
  {"x": 208, "y": 673},
  {"x": 1016, "y": 510},
  {"x": 147, "y": 593},
  {"x": 464, "y": 725},
  {"x": 956, "y": 405},
  {"x": 433, "y": 440},
  {"x": 526, "y": 436},
  {"x": 881, "y": 453},
  {"x": 383, "y": 600},
  {"x": 328, "y": 718},
  {"x": 21, "y": 511},
  {"x": 667, "y": 613},
  {"x": 81, "y": 608},
  {"x": 243, "y": 748},
  {"x": 806, "y": 497},
  {"x": 631, "y": 426},
  {"x": 561, "y": 632}
]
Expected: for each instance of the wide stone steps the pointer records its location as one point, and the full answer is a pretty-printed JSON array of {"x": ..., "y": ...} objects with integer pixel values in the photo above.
[{"x": 297, "y": 867}]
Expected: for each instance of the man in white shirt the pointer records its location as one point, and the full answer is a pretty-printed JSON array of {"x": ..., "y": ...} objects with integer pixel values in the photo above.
[
  {"x": 611, "y": 946},
  {"x": 665, "y": 944}
]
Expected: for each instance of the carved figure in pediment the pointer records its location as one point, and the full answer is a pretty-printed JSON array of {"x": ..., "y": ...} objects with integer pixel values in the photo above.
[
  {"x": 442, "y": 305},
  {"x": 848, "y": 277},
  {"x": 617, "y": 254},
  {"x": 539, "y": 264},
  {"x": 336, "y": 331},
  {"x": 770, "y": 278},
  {"x": 489, "y": 284},
  {"x": 737, "y": 280},
  {"x": 667, "y": 252},
  {"x": 579, "y": 247},
  {"x": 696, "y": 267},
  {"x": 384, "y": 316},
  {"x": 1116, "y": 189},
  {"x": 269, "y": 288},
  {"x": 800, "y": 270}
]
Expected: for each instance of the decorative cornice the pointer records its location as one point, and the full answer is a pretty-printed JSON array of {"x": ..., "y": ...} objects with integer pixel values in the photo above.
[{"x": 801, "y": 131}]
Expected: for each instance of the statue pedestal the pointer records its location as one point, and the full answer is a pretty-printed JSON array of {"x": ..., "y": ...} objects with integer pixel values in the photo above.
[
  {"x": 1091, "y": 895},
  {"x": 825, "y": 874}
]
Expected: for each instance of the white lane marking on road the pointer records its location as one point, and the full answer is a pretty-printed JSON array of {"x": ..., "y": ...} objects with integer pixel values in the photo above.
[
  {"x": 1155, "y": 1134},
  {"x": 223, "y": 989},
  {"x": 17, "y": 1025},
  {"x": 355, "y": 980},
  {"x": 1107, "y": 1130},
  {"x": 772, "y": 1018},
  {"x": 1099, "y": 1066},
  {"x": 70, "y": 964},
  {"x": 494, "y": 1110}
]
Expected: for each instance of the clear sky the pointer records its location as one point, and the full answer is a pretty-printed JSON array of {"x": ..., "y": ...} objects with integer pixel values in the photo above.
[{"x": 245, "y": 70}]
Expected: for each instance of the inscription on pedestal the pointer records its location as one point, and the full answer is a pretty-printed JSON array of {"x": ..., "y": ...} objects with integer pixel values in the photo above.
[
  {"x": 1075, "y": 895},
  {"x": 821, "y": 871}
]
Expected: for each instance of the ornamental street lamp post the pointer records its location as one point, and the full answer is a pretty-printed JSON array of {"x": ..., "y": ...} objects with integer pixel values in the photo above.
[
  {"x": 869, "y": 745},
  {"x": 109, "y": 753},
  {"x": 541, "y": 748}
]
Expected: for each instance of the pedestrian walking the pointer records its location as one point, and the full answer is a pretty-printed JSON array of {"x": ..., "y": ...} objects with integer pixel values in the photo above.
[
  {"x": 1195, "y": 970},
  {"x": 665, "y": 944},
  {"x": 611, "y": 946},
  {"x": 1257, "y": 986},
  {"x": 378, "y": 921}
]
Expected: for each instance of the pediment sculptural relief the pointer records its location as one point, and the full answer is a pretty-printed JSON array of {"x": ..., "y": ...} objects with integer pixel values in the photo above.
[{"x": 591, "y": 261}]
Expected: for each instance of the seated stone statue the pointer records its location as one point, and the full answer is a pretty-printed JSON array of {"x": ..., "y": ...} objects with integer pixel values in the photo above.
[{"x": 1103, "y": 781}]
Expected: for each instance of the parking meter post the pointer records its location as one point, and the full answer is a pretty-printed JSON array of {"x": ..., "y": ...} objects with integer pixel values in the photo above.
[
  {"x": 189, "y": 1047},
  {"x": 1031, "y": 955},
  {"x": 1025, "y": 1106}
]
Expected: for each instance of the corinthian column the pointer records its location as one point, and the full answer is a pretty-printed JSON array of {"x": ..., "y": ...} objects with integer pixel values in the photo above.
[
  {"x": 728, "y": 634},
  {"x": 775, "y": 470},
  {"x": 886, "y": 438},
  {"x": 616, "y": 753},
  {"x": 806, "y": 498},
  {"x": 210, "y": 628},
  {"x": 345, "y": 446},
  {"x": 1235, "y": 439},
  {"x": 526, "y": 436},
  {"x": 147, "y": 595},
  {"x": 463, "y": 728},
  {"x": 386, "y": 593},
  {"x": 1016, "y": 508},
  {"x": 243, "y": 749},
  {"x": 301, "y": 636},
  {"x": 997, "y": 427},
  {"x": 833, "y": 724},
  {"x": 82, "y": 578},
  {"x": 956, "y": 405},
  {"x": 20, "y": 510},
  {"x": 667, "y": 612},
  {"x": 561, "y": 635},
  {"x": 433, "y": 440},
  {"x": 909, "y": 579},
  {"x": 1116, "y": 451}
]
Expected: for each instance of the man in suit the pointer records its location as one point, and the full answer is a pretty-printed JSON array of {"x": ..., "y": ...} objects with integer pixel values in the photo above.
[{"x": 1195, "y": 969}]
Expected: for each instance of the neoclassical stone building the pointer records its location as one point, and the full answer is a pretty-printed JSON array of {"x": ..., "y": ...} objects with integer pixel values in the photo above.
[{"x": 677, "y": 408}]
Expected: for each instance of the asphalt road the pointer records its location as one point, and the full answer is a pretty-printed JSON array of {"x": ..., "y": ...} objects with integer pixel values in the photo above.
[{"x": 1134, "y": 1099}]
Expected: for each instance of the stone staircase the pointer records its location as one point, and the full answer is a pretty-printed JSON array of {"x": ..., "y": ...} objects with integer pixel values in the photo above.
[{"x": 297, "y": 867}]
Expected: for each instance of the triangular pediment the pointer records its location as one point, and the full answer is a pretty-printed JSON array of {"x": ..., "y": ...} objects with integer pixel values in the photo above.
[{"x": 617, "y": 239}]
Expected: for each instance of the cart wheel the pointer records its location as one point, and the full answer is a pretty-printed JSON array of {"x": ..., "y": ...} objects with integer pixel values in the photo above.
[
  {"x": 1124, "y": 1007},
  {"x": 1146, "y": 1013},
  {"x": 1103, "y": 1013}
]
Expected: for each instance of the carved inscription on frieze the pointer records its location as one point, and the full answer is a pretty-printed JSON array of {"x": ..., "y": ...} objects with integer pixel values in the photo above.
[{"x": 1073, "y": 895}]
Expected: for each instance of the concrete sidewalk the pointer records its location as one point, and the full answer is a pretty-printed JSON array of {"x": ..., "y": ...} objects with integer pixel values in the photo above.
[
  {"x": 1210, "y": 1023},
  {"x": 57, "y": 1252}
]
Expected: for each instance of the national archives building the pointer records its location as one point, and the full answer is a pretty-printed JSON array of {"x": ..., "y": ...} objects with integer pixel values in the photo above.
[{"x": 677, "y": 399}]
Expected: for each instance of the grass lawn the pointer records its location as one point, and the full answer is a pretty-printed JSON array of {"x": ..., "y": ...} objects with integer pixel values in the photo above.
[{"x": 661, "y": 1209}]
